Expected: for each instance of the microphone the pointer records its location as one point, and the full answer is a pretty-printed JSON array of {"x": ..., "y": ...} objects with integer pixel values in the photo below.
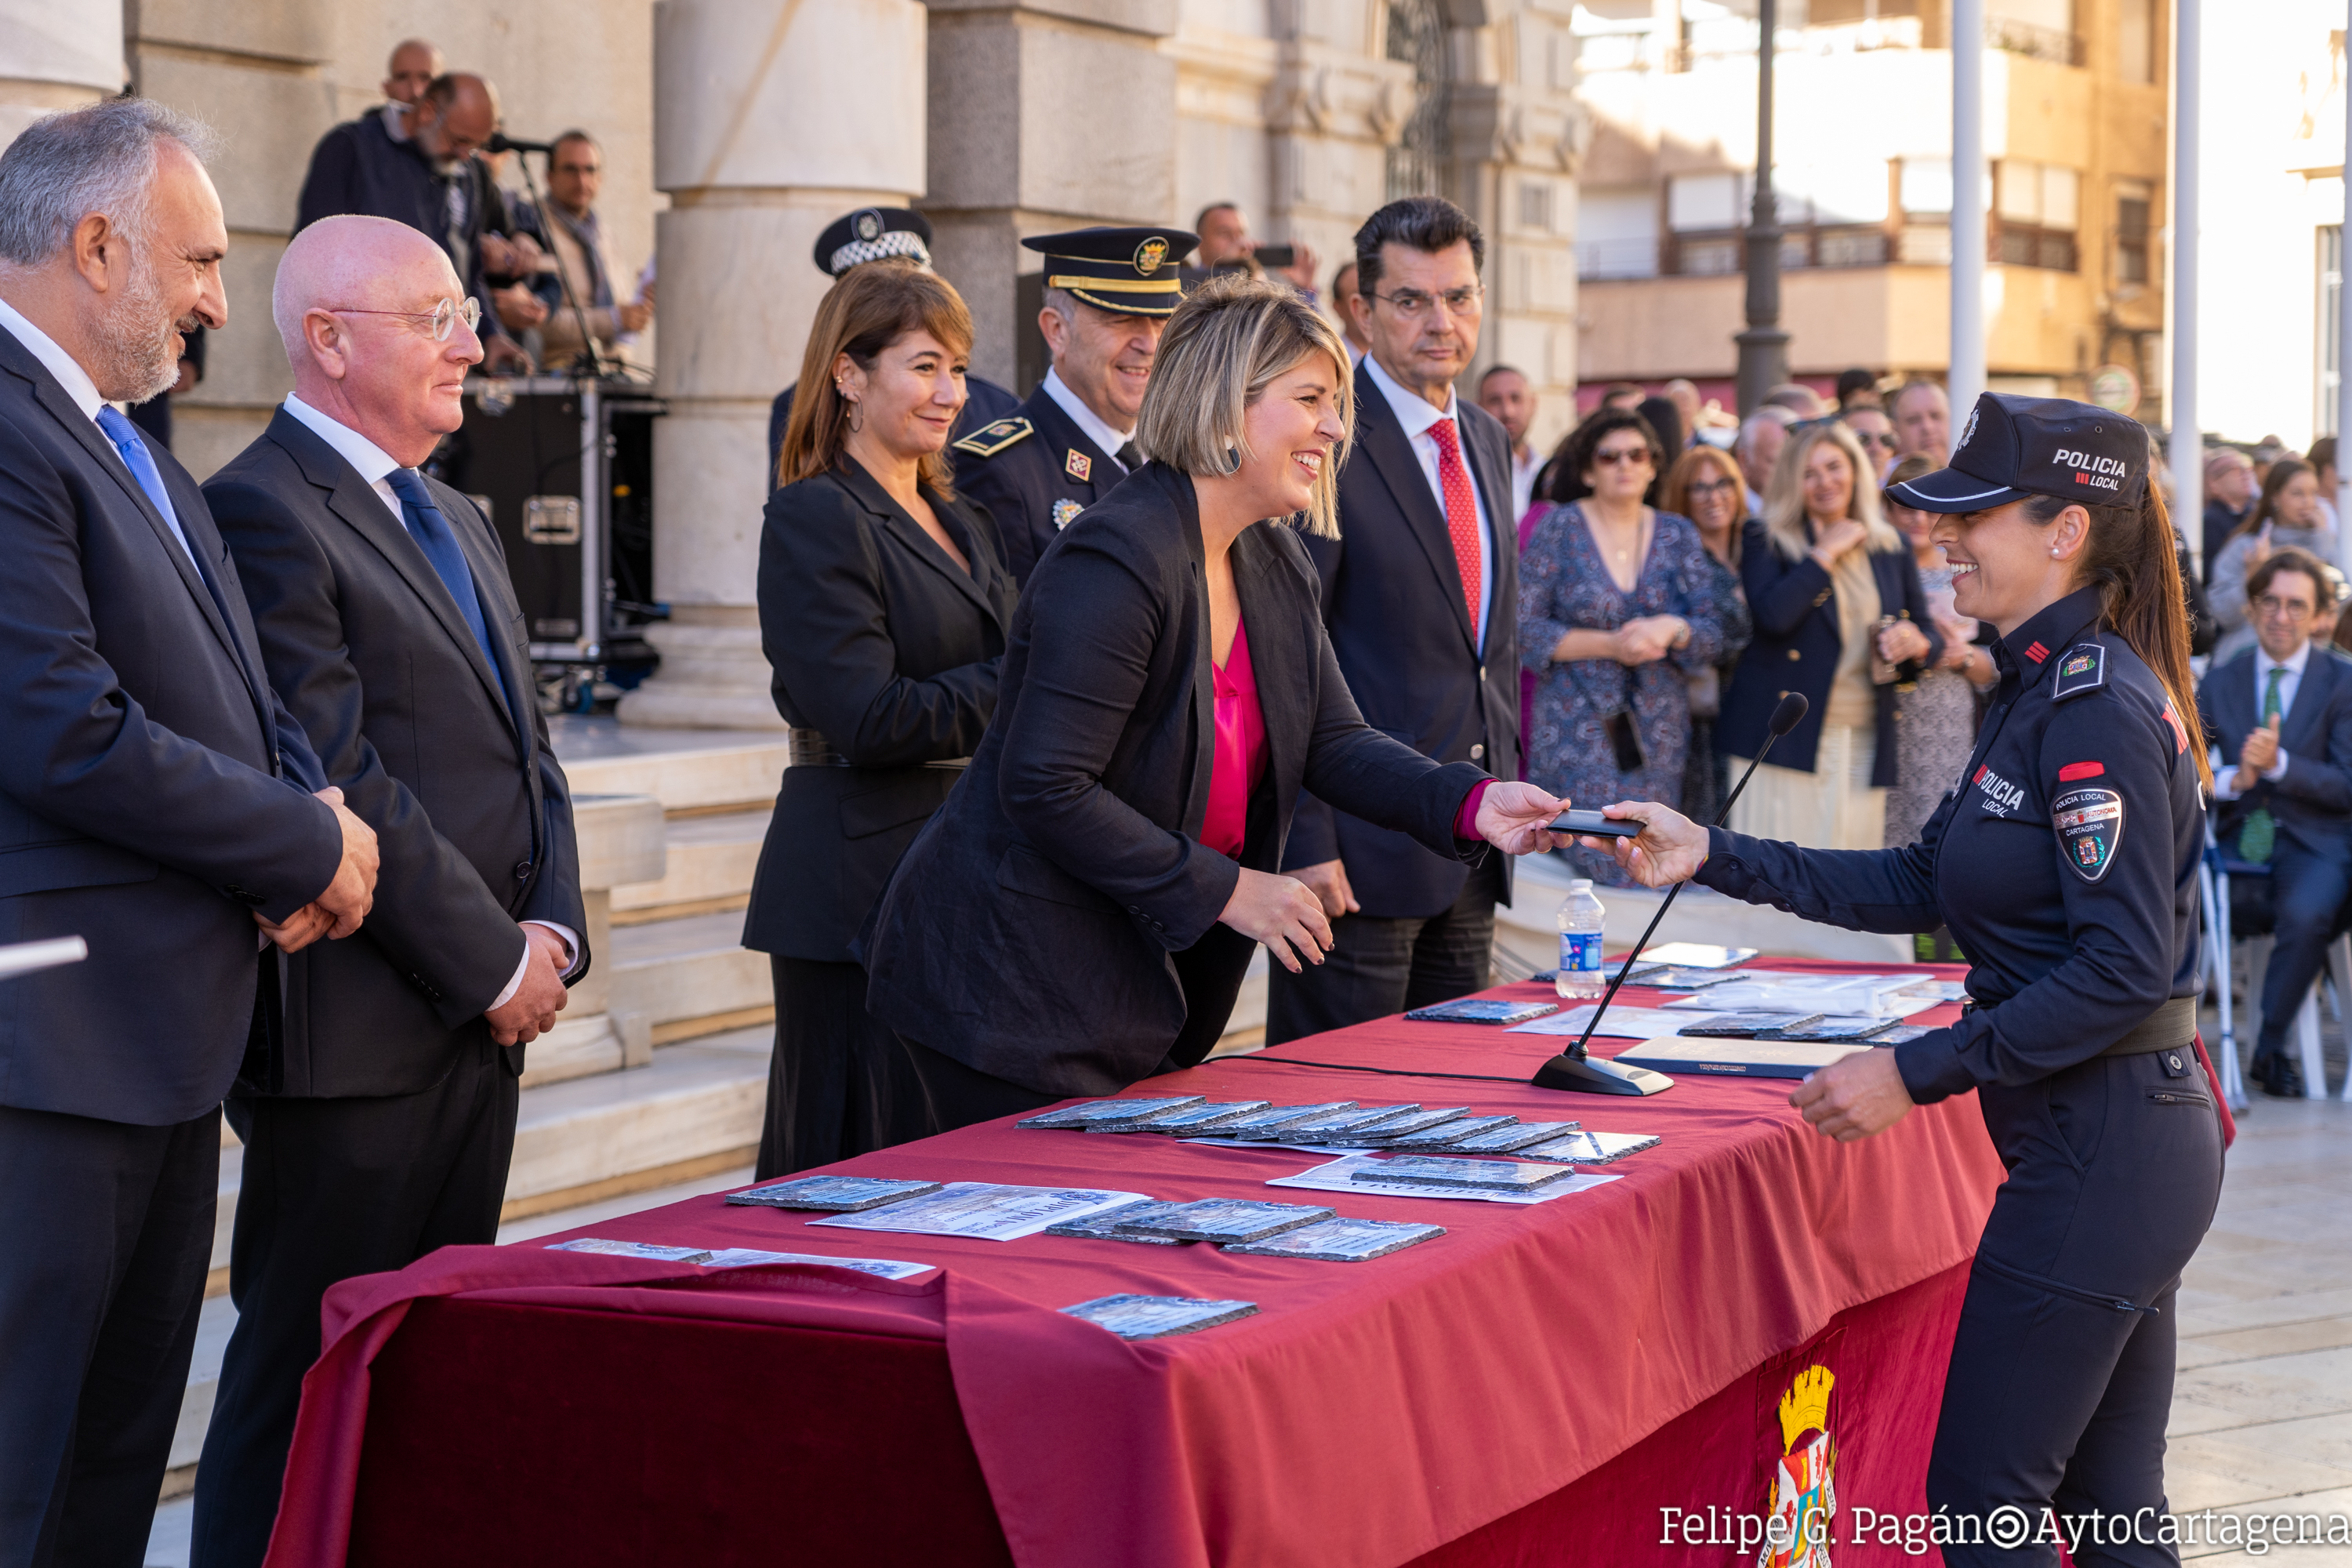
[
  {"x": 500, "y": 141},
  {"x": 1573, "y": 1069}
]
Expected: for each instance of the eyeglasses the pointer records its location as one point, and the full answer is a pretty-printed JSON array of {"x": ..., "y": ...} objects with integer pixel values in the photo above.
[
  {"x": 2270, "y": 607},
  {"x": 1410, "y": 302},
  {"x": 1705, "y": 487},
  {"x": 1613, "y": 456},
  {"x": 439, "y": 320},
  {"x": 1875, "y": 439}
]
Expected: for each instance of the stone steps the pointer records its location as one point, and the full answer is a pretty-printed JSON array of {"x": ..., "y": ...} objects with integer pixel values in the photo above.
[
  {"x": 710, "y": 860},
  {"x": 689, "y": 975}
]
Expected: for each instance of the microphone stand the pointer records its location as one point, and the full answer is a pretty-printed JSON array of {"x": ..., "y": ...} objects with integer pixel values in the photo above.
[
  {"x": 1574, "y": 1069},
  {"x": 563, "y": 276}
]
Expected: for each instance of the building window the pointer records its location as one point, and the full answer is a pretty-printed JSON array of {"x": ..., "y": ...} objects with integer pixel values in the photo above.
[
  {"x": 1535, "y": 205},
  {"x": 1417, "y": 37},
  {"x": 2035, "y": 215},
  {"x": 2331, "y": 325},
  {"x": 1617, "y": 233},
  {"x": 2136, "y": 41},
  {"x": 2133, "y": 232},
  {"x": 2040, "y": 29}
]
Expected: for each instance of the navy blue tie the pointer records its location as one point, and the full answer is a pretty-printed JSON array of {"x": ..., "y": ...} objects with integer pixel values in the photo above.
[{"x": 431, "y": 532}]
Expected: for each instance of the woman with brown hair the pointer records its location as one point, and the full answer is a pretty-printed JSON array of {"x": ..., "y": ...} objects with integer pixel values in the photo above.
[
  {"x": 2286, "y": 514},
  {"x": 1705, "y": 486},
  {"x": 1835, "y": 593},
  {"x": 2066, "y": 865},
  {"x": 883, "y": 607}
]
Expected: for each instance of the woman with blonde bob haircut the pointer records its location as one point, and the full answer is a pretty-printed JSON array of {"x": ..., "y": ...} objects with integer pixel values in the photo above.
[
  {"x": 884, "y": 607},
  {"x": 1080, "y": 913},
  {"x": 1839, "y": 616}
]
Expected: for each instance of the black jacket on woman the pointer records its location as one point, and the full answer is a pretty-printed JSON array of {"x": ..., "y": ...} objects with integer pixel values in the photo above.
[
  {"x": 879, "y": 640},
  {"x": 1048, "y": 926},
  {"x": 1796, "y": 647}
]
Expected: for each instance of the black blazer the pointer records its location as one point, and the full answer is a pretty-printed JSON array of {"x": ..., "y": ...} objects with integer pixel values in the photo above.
[
  {"x": 2312, "y": 803},
  {"x": 881, "y": 641},
  {"x": 145, "y": 768},
  {"x": 1796, "y": 649},
  {"x": 1028, "y": 932},
  {"x": 472, "y": 815},
  {"x": 1401, "y": 628},
  {"x": 357, "y": 167}
]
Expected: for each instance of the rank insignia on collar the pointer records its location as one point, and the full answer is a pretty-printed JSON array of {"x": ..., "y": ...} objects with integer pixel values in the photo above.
[
  {"x": 2083, "y": 668},
  {"x": 989, "y": 441},
  {"x": 1065, "y": 512},
  {"x": 1078, "y": 465},
  {"x": 2090, "y": 824}
]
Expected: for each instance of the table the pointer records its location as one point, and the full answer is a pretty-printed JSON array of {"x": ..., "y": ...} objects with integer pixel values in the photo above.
[{"x": 1534, "y": 1386}]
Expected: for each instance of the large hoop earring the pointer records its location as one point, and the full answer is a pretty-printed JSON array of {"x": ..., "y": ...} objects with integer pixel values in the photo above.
[{"x": 856, "y": 416}]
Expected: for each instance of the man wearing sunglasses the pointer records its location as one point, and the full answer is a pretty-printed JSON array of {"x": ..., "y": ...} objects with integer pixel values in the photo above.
[
  {"x": 382, "y": 1129},
  {"x": 1421, "y": 594}
]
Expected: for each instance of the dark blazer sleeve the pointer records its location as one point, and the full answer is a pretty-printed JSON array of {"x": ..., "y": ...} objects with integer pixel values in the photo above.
[
  {"x": 332, "y": 185},
  {"x": 1781, "y": 593},
  {"x": 1094, "y": 625},
  {"x": 432, "y": 917},
  {"x": 295, "y": 753},
  {"x": 820, "y": 577},
  {"x": 1388, "y": 783},
  {"x": 555, "y": 894},
  {"x": 81, "y": 752},
  {"x": 2325, "y": 781},
  {"x": 1314, "y": 826}
]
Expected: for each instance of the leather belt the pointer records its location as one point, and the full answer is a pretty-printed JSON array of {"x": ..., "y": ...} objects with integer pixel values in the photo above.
[
  {"x": 810, "y": 749},
  {"x": 2172, "y": 1026}
]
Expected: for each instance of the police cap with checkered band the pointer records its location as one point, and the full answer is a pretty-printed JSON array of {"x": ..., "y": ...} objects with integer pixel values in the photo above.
[{"x": 2014, "y": 447}]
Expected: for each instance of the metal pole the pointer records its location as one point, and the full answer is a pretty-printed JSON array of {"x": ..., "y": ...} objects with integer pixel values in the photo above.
[
  {"x": 2187, "y": 449},
  {"x": 1965, "y": 378},
  {"x": 2343, "y": 359},
  {"x": 1763, "y": 346}
]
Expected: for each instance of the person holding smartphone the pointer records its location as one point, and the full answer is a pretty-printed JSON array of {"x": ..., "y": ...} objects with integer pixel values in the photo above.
[{"x": 1617, "y": 610}]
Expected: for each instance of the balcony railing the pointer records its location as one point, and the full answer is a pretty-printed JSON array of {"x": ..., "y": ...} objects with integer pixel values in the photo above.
[
  {"x": 1719, "y": 253},
  {"x": 2035, "y": 42}
]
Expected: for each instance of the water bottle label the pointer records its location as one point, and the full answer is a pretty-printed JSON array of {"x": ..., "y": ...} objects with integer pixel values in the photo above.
[{"x": 1579, "y": 953}]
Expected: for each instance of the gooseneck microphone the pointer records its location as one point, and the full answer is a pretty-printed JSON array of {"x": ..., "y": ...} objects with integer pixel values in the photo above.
[
  {"x": 500, "y": 141},
  {"x": 1576, "y": 1071}
]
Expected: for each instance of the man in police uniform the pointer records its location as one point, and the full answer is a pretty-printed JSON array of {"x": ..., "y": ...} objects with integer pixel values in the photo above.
[
  {"x": 1109, "y": 295},
  {"x": 876, "y": 234}
]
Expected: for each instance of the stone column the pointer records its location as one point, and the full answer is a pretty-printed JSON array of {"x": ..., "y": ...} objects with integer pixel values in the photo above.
[
  {"x": 55, "y": 57},
  {"x": 769, "y": 121}
]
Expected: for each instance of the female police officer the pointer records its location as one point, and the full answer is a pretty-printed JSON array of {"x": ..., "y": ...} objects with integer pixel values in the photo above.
[{"x": 2064, "y": 861}]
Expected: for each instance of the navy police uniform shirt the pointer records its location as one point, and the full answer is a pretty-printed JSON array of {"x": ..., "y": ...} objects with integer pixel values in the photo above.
[
  {"x": 2064, "y": 861},
  {"x": 1033, "y": 472}
]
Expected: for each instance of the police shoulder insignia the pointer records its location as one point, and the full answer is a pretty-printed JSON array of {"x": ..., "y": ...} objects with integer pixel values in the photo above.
[
  {"x": 991, "y": 439},
  {"x": 1064, "y": 511},
  {"x": 2083, "y": 668},
  {"x": 1078, "y": 465},
  {"x": 2090, "y": 824}
]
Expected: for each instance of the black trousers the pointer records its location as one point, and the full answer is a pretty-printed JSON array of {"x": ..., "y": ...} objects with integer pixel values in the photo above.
[
  {"x": 2061, "y": 1376},
  {"x": 1377, "y": 966},
  {"x": 105, "y": 1239},
  {"x": 2308, "y": 890},
  {"x": 838, "y": 1083},
  {"x": 957, "y": 1096},
  {"x": 333, "y": 1188}
]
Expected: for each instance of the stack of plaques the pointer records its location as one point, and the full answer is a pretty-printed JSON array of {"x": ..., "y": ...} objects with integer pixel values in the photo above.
[
  {"x": 1326, "y": 1126},
  {"x": 1517, "y": 1135},
  {"x": 1210, "y": 1116},
  {"x": 1226, "y": 1219},
  {"x": 1338, "y": 1240},
  {"x": 1384, "y": 1133},
  {"x": 1447, "y": 1133},
  {"x": 1110, "y": 1115},
  {"x": 1746, "y": 1025},
  {"x": 1104, "y": 1226},
  {"x": 1155, "y": 1316},
  {"x": 1268, "y": 1125},
  {"x": 1485, "y": 1175},
  {"x": 834, "y": 1195},
  {"x": 1593, "y": 1148}
]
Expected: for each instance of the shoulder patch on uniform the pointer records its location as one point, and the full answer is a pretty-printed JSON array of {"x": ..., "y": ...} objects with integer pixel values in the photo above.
[
  {"x": 2090, "y": 824},
  {"x": 2083, "y": 668},
  {"x": 991, "y": 439}
]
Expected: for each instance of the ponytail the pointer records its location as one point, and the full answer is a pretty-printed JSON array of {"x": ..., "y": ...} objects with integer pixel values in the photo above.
[{"x": 2134, "y": 563}]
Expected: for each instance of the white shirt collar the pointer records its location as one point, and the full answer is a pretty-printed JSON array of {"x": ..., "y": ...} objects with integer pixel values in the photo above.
[
  {"x": 59, "y": 364},
  {"x": 2264, "y": 663},
  {"x": 372, "y": 461},
  {"x": 1088, "y": 422},
  {"x": 1414, "y": 411}
]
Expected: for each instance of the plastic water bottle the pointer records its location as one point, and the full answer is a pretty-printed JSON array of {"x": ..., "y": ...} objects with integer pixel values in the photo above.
[{"x": 1581, "y": 919}]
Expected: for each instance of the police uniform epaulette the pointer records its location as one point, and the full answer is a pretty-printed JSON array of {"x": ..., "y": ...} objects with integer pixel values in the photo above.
[
  {"x": 2083, "y": 668},
  {"x": 989, "y": 441}
]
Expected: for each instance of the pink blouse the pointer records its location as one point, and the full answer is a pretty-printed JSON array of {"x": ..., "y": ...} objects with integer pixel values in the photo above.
[{"x": 1239, "y": 762}]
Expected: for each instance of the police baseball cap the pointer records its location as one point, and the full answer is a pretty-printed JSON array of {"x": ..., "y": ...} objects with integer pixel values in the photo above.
[
  {"x": 1133, "y": 272},
  {"x": 873, "y": 234},
  {"x": 2013, "y": 446}
]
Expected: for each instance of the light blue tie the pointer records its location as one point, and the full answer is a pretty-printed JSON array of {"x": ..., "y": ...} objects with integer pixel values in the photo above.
[
  {"x": 133, "y": 449},
  {"x": 431, "y": 532}
]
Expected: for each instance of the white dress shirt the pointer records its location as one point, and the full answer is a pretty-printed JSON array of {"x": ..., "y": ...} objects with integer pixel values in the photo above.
[
  {"x": 372, "y": 464},
  {"x": 81, "y": 388},
  {"x": 2225, "y": 779},
  {"x": 1088, "y": 422},
  {"x": 1523, "y": 482},
  {"x": 1417, "y": 414}
]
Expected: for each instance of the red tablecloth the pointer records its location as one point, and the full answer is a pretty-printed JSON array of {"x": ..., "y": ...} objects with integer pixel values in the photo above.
[{"x": 1370, "y": 1413}]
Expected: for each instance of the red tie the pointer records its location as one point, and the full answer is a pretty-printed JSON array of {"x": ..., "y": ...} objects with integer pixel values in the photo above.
[{"x": 1460, "y": 511}]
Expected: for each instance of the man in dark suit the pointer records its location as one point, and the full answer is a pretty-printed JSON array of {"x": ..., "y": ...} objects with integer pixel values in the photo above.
[
  {"x": 2279, "y": 717},
  {"x": 1109, "y": 294},
  {"x": 431, "y": 180},
  {"x": 383, "y": 1130},
  {"x": 1421, "y": 591},
  {"x": 878, "y": 234},
  {"x": 155, "y": 800}
]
